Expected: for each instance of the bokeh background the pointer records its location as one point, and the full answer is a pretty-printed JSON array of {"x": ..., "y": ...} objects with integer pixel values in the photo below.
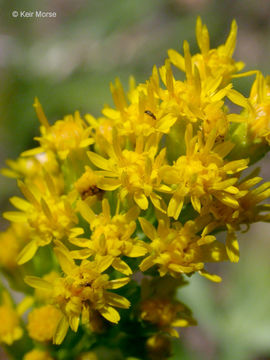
[{"x": 69, "y": 61}]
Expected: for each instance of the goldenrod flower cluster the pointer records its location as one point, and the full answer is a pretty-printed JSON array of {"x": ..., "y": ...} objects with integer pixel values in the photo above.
[{"x": 117, "y": 212}]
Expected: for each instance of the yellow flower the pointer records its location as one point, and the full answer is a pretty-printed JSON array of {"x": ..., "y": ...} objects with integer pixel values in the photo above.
[
  {"x": 37, "y": 354},
  {"x": 49, "y": 215},
  {"x": 249, "y": 211},
  {"x": 11, "y": 242},
  {"x": 211, "y": 63},
  {"x": 179, "y": 249},
  {"x": 203, "y": 174},
  {"x": 166, "y": 314},
  {"x": 10, "y": 329},
  {"x": 67, "y": 135},
  {"x": 200, "y": 98},
  {"x": 143, "y": 116},
  {"x": 259, "y": 112},
  {"x": 170, "y": 150},
  {"x": 102, "y": 133},
  {"x": 42, "y": 322},
  {"x": 252, "y": 134},
  {"x": 111, "y": 236},
  {"x": 134, "y": 172},
  {"x": 190, "y": 98},
  {"x": 29, "y": 167},
  {"x": 193, "y": 101},
  {"x": 81, "y": 290}
]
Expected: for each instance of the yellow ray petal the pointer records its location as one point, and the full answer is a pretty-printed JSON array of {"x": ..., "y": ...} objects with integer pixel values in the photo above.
[
  {"x": 28, "y": 194},
  {"x": 99, "y": 161},
  {"x": 110, "y": 314},
  {"x": 19, "y": 203},
  {"x": 37, "y": 283},
  {"x": 117, "y": 283},
  {"x": 117, "y": 300},
  {"x": 86, "y": 212},
  {"x": 175, "y": 206},
  {"x": 24, "y": 305},
  {"x": 74, "y": 322},
  {"x": 141, "y": 200},
  {"x": 81, "y": 254},
  {"x": 176, "y": 59},
  {"x": 61, "y": 331},
  {"x": 40, "y": 113},
  {"x": 121, "y": 266},
  {"x": 137, "y": 251},
  {"x": 104, "y": 262},
  {"x": 148, "y": 229},
  {"x": 27, "y": 252},
  {"x": 65, "y": 260},
  {"x": 232, "y": 247},
  {"x": 147, "y": 263},
  {"x": 108, "y": 184},
  {"x": 231, "y": 40},
  {"x": 209, "y": 276},
  {"x": 15, "y": 216}
]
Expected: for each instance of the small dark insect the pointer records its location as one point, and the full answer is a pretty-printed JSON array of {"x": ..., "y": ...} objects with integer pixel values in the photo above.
[
  {"x": 91, "y": 191},
  {"x": 87, "y": 284},
  {"x": 220, "y": 138},
  {"x": 148, "y": 112}
]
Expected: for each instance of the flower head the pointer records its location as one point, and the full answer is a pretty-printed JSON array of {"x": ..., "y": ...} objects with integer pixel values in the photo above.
[
  {"x": 143, "y": 116},
  {"x": 178, "y": 249},
  {"x": 203, "y": 174},
  {"x": 42, "y": 322},
  {"x": 65, "y": 136},
  {"x": 171, "y": 151},
  {"x": 111, "y": 236},
  {"x": 82, "y": 290},
  {"x": 211, "y": 63},
  {"x": 249, "y": 211},
  {"x": 37, "y": 354},
  {"x": 10, "y": 329},
  {"x": 134, "y": 172},
  {"x": 11, "y": 242},
  {"x": 259, "y": 112},
  {"x": 50, "y": 216},
  {"x": 166, "y": 314},
  {"x": 30, "y": 167}
]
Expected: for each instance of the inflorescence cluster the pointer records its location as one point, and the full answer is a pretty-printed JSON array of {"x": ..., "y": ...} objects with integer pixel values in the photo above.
[{"x": 118, "y": 212}]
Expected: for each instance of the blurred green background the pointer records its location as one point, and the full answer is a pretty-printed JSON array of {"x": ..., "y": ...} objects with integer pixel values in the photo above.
[{"x": 69, "y": 61}]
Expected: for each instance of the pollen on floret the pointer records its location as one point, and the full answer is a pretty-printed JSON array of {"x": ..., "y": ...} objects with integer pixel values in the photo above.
[
  {"x": 42, "y": 322},
  {"x": 37, "y": 354},
  {"x": 10, "y": 329}
]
